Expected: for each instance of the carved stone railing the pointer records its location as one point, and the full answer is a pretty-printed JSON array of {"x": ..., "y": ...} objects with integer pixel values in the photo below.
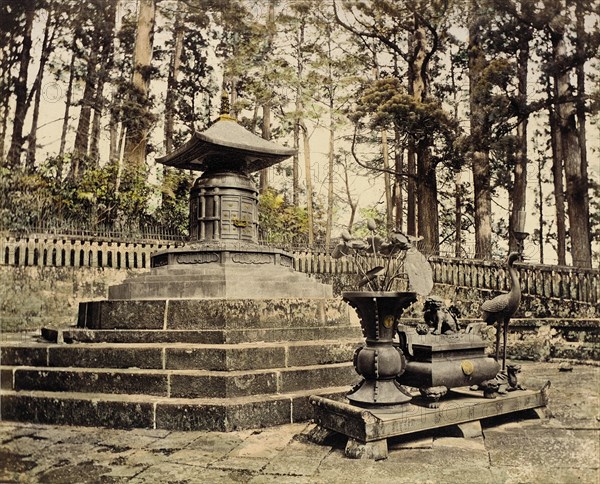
[
  {"x": 43, "y": 250},
  {"x": 558, "y": 282}
]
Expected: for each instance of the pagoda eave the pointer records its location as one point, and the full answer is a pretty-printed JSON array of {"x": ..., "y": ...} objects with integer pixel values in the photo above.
[
  {"x": 199, "y": 155},
  {"x": 226, "y": 140}
]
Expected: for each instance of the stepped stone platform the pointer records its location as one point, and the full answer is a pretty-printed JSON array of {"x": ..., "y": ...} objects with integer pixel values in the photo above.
[
  {"x": 223, "y": 269},
  {"x": 212, "y": 364}
]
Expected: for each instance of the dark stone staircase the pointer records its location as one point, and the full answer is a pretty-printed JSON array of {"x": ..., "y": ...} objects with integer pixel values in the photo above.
[{"x": 245, "y": 364}]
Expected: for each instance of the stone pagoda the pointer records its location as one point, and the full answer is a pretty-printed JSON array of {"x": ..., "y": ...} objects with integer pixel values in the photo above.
[
  {"x": 223, "y": 257},
  {"x": 221, "y": 333}
]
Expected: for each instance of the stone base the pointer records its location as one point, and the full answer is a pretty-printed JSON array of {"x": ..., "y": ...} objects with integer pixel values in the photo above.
[
  {"x": 368, "y": 430},
  {"x": 220, "y": 270},
  {"x": 217, "y": 365},
  {"x": 140, "y": 411}
]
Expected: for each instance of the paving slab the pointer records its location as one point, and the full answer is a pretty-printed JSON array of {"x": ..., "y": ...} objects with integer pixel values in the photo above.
[{"x": 172, "y": 473}]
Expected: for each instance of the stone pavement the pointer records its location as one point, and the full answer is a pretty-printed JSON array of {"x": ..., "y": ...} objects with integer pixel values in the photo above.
[{"x": 562, "y": 449}]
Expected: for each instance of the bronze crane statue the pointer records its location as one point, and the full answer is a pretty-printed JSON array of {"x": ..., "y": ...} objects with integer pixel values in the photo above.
[{"x": 500, "y": 309}]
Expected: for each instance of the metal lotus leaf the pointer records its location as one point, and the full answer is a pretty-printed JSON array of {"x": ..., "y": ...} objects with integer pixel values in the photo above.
[
  {"x": 358, "y": 244},
  {"x": 400, "y": 240},
  {"x": 388, "y": 249},
  {"x": 375, "y": 244},
  {"x": 340, "y": 250},
  {"x": 371, "y": 275},
  {"x": 420, "y": 276}
]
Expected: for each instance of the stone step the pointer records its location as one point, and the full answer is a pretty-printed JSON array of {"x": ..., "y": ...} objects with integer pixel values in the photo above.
[
  {"x": 181, "y": 383},
  {"x": 217, "y": 336},
  {"x": 178, "y": 356},
  {"x": 218, "y": 281},
  {"x": 186, "y": 314},
  {"x": 154, "y": 412}
]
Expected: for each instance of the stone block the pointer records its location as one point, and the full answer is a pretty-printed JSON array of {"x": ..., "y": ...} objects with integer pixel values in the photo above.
[
  {"x": 320, "y": 354},
  {"x": 82, "y": 314},
  {"x": 318, "y": 377},
  {"x": 196, "y": 314},
  {"x": 135, "y": 336},
  {"x": 6, "y": 378},
  {"x": 58, "y": 410},
  {"x": 256, "y": 313},
  {"x": 266, "y": 413},
  {"x": 183, "y": 416},
  {"x": 222, "y": 386},
  {"x": 292, "y": 334},
  {"x": 126, "y": 314},
  {"x": 91, "y": 381},
  {"x": 105, "y": 357},
  {"x": 195, "y": 359},
  {"x": 23, "y": 355},
  {"x": 225, "y": 359}
]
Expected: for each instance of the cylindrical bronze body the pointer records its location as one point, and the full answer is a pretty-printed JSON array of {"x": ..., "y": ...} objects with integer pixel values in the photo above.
[{"x": 224, "y": 207}]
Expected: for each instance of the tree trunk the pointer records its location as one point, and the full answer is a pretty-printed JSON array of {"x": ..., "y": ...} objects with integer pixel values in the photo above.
[
  {"x": 20, "y": 90},
  {"x": 266, "y": 134},
  {"x": 68, "y": 100},
  {"x": 557, "y": 177},
  {"x": 4, "y": 122},
  {"x": 137, "y": 138},
  {"x": 398, "y": 182},
  {"x": 82, "y": 136},
  {"x": 585, "y": 248},
  {"x": 387, "y": 184},
  {"x": 266, "y": 107},
  {"x": 309, "y": 187},
  {"x": 37, "y": 87},
  {"x": 96, "y": 121},
  {"x": 330, "y": 192},
  {"x": 458, "y": 202},
  {"x": 480, "y": 151},
  {"x": 540, "y": 208},
  {"x": 297, "y": 116},
  {"x": 296, "y": 158},
  {"x": 353, "y": 204},
  {"x": 174, "y": 67},
  {"x": 575, "y": 170},
  {"x": 427, "y": 195},
  {"x": 427, "y": 216},
  {"x": 411, "y": 197},
  {"x": 519, "y": 191},
  {"x": 105, "y": 63}
]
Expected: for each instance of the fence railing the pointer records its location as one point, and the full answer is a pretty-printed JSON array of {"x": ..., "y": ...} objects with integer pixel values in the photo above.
[
  {"x": 44, "y": 250},
  {"x": 560, "y": 282}
]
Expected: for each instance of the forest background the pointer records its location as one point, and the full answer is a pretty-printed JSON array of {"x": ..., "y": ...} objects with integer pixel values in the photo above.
[{"x": 449, "y": 120}]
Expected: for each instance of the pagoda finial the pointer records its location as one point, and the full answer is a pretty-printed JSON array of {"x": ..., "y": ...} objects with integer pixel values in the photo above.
[{"x": 225, "y": 107}]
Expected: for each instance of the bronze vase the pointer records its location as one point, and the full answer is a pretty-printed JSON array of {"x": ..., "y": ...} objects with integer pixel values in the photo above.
[{"x": 379, "y": 361}]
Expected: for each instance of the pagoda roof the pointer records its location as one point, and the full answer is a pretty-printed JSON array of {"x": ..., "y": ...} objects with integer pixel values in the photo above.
[{"x": 226, "y": 144}]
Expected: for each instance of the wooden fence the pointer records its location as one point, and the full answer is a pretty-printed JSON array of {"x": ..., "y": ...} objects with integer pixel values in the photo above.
[{"x": 44, "y": 250}]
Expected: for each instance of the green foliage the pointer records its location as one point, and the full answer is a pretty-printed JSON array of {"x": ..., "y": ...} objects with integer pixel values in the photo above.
[
  {"x": 280, "y": 222},
  {"x": 385, "y": 102},
  {"x": 173, "y": 211},
  {"x": 34, "y": 198}
]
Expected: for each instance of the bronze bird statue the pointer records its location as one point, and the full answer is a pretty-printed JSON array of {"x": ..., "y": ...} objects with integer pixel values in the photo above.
[{"x": 500, "y": 309}]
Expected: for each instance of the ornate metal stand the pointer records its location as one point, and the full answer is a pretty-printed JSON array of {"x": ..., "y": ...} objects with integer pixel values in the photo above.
[{"x": 379, "y": 362}]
